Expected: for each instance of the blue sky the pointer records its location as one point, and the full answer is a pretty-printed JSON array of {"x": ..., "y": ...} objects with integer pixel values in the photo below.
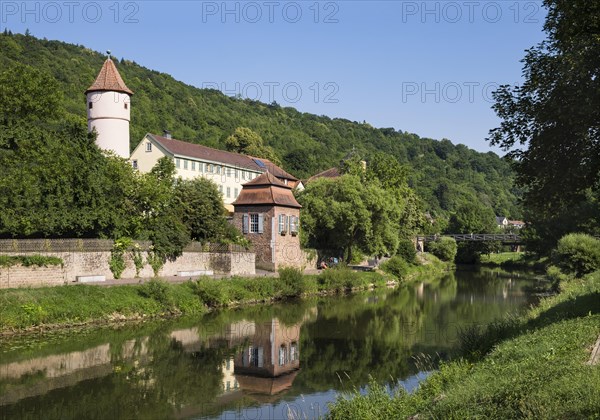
[{"x": 426, "y": 67}]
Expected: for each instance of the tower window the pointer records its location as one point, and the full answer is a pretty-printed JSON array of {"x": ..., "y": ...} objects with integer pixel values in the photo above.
[
  {"x": 148, "y": 147},
  {"x": 126, "y": 105},
  {"x": 90, "y": 105}
]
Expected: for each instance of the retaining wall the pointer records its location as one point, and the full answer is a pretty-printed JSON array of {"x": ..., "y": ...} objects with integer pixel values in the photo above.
[{"x": 79, "y": 261}]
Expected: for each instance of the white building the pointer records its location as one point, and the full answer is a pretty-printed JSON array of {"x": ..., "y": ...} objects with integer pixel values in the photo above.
[
  {"x": 109, "y": 110},
  {"x": 228, "y": 170}
]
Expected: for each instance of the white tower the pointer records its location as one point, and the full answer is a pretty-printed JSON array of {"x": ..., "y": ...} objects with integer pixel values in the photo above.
[{"x": 109, "y": 110}]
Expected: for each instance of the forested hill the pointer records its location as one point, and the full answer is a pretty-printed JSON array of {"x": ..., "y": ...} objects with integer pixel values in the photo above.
[{"x": 443, "y": 174}]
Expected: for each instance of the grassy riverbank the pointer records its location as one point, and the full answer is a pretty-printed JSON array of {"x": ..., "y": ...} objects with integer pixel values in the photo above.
[
  {"x": 518, "y": 260},
  {"x": 21, "y": 309},
  {"x": 532, "y": 367},
  {"x": 65, "y": 306}
]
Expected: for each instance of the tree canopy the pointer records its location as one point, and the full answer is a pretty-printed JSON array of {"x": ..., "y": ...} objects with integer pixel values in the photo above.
[
  {"x": 55, "y": 182},
  {"x": 443, "y": 174},
  {"x": 551, "y": 123}
]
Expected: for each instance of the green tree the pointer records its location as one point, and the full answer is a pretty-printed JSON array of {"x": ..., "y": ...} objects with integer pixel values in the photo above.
[
  {"x": 343, "y": 213},
  {"x": 551, "y": 123},
  {"x": 58, "y": 183},
  {"x": 201, "y": 205},
  {"x": 27, "y": 93},
  {"x": 472, "y": 217},
  {"x": 245, "y": 141}
]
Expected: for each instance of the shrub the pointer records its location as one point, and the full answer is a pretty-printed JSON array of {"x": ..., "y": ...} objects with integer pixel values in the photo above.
[
  {"x": 29, "y": 260},
  {"x": 406, "y": 249},
  {"x": 212, "y": 292},
  {"x": 155, "y": 260},
  {"x": 396, "y": 266},
  {"x": 159, "y": 290},
  {"x": 578, "y": 254},
  {"x": 556, "y": 277},
  {"x": 444, "y": 248},
  {"x": 337, "y": 279},
  {"x": 291, "y": 282},
  {"x": 468, "y": 253},
  {"x": 117, "y": 256}
]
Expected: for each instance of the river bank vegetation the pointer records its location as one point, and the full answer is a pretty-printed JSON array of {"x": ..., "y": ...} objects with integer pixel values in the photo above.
[
  {"x": 519, "y": 367},
  {"x": 73, "y": 305}
]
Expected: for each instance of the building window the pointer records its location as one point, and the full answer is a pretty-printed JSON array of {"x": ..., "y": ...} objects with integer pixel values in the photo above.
[
  {"x": 177, "y": 163},
  {"x": 185, "y": 164},
  {"x": 193, "y": 166},
  {"x": 293, "y": 225},
  {"x": 219, "y": 170},
  {"x": 90, "y": 105},
  {"x": 254, "y": 223},
  {"x": 209, "y": 168},
  {"x": 235, "y": 192},
  {"x": 134, "y": 164},
  {"x": 282, "y": 355},
  {"x": 200, "y": 167},
  {"x": 237, "y": 175},
  {"x": 294, "y": 351},
  {"x": 229, "y": 172},
  {"x": 221, "y": 189},
  {"x": 228, "y": 192},
  {"x": 148, "y": 147},
  {"x": 282, "y": 224}
]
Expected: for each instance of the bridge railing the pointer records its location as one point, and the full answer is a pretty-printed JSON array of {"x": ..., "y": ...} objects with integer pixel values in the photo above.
[{"x": 474, "y": 237}]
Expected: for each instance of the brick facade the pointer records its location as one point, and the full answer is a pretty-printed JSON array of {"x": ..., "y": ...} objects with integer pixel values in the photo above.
[{"x": 273, "y": 250}]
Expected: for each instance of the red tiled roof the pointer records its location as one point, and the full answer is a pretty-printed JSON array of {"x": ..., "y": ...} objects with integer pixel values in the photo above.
[
  {"x": 266, "y": 189},
  {"x": 276, "y": 170},
  {"x": 182, "y": 148},
  {"x": 329, "y": 173},
  {"x": 109, "y": 79},
  {"x": 267, "y": 178}
]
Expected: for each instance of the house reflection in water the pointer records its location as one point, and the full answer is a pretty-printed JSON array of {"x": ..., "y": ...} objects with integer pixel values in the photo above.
[{"x": 270, "y": 361}]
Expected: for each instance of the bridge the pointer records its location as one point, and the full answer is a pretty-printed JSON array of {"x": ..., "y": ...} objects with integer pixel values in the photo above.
[{"x": 507, "y": 238}]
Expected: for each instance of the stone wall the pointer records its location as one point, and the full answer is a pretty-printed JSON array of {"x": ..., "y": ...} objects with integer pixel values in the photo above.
[
  {"x": 18, "y": 276},
  {"x": 87, "y": 263}
]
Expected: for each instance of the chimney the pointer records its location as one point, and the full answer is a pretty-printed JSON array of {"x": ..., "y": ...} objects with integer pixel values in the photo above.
[{"x": 167, "y": 134}]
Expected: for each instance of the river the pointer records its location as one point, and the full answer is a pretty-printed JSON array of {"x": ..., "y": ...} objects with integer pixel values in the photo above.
[{"x": 257, "y": 362}]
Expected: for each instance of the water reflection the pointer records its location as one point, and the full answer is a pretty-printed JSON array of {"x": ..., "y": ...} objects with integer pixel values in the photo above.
[{"x": 271, "y": 360}]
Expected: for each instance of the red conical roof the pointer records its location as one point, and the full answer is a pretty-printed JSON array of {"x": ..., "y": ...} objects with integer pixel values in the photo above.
[{"x": 109, "y": 79}]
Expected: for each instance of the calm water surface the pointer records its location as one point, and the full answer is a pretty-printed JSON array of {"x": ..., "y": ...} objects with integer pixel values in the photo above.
[{"x": 261, "y": 362}]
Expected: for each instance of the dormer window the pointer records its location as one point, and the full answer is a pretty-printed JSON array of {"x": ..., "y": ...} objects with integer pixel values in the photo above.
[{"x": 148, "y": 147}]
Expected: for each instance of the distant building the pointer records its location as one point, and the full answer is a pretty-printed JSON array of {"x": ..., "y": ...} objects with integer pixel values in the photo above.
[
  {"x": 267, "y": 213},
  {"x": 329, "y": 173},
  {"x": 226, "y": 169},
  {"x": 502, "y": 222},
  {"x": 109, "y": 110},
  {"x": 516, "y": 224}
]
